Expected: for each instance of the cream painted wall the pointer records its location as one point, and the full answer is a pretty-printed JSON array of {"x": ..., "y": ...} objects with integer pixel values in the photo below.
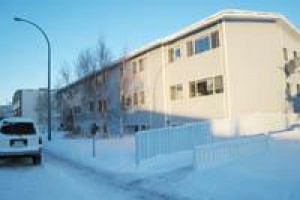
[
  {"x": 256, "y": 77},
  {"x": 199, "y": 66}
]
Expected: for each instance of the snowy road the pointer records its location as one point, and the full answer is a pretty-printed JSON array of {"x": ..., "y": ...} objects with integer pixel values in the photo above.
[{"x": 61, "y": 179}]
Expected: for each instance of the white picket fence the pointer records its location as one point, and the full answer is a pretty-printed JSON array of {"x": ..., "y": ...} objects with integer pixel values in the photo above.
[
  {"x": 210, "y": 155},
  {"x": 169, "y": 140}
]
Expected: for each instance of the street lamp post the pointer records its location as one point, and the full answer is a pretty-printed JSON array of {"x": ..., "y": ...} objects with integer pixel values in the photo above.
[{"x": 49, "y": 69}]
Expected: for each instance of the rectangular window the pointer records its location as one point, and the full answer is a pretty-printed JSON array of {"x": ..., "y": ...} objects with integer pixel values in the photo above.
[
  {"x": 91, "y": 106},
  {"x": 177, "y": 53},
  {"x": 176, "y": 92},
  {"x": 219, "y": 84},
  {"x": 288, "y": 91},
  {"x": 192, "y": 89},
  {"x": 215, "y": 42},
  {"x": 123, "y": 102},
  {"x": 102, "y": 107},
  {"x": 135, "y": 99},
  {"x": 298, "y": 90},
  {"x": 142, "y": 98},
  {"x": 179, "y": 91},
  {"x": 285, "y": 54},
  {"x": 189, "y": 48},
  {"x": 77, "y": 109},
  {"x": 210, "y": 86},
  {"x": 295, "y": 54},
  {"x": 173, "y": 92},
  {"x": 205, "y": 87},
  {"x": 202, "y": 45},
  {"x": 128, "y": 102},
  {"x": 134, "y": 68},
  {"x": 141, "y": 65},
  {"x": 171, "y": 55}
]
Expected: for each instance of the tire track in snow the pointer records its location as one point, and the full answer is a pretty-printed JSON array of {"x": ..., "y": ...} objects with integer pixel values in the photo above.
[{"x": 117, "y": 181}]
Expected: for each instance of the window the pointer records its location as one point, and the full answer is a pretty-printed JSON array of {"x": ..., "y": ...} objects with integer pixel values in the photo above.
[
  {"x": 104, "y": 128},
  {"x": 298, "y": 90},
  {"x": 171, "y": 55},
  {"x": 295, "y": 54},
  {"x": 102, "y": 107},
  {"x": 205, "y": 87},
  {"x": 173, "y": 92},
  {"x": 142, "y": 97},
  {"x": 218, "y": 84},
  {"x": 177, "y": 53},
  {"x": 288, "y": 90},
  {"x": 91, "y": 105},
  {"x": 128, "y": 102},
  {"x": 202, "y": 45},
  {"x": 123, "y": 102},
  {"x": 77, "y": 109},
  {"x": 176, "y": 92},
  {"x": 192, "y": 89},
  {"x": 134, "y": 68},
  {"x": 141, "y": 65},
  {"x": 189, "y": 48},
  {"x": 23, "y": 128},
  {"x": 215, "y": 42},
  {"x": 285, "y": 54},
  {"x": 121, "y": 70},
  {"x": 135, "y": 99}
]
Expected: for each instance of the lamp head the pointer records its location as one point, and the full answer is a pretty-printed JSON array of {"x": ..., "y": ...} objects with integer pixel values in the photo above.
[{"x": 17, "y": 19}]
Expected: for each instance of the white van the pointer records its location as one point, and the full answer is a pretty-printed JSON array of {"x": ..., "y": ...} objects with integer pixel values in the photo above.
[{"x": 19, "y": 138}]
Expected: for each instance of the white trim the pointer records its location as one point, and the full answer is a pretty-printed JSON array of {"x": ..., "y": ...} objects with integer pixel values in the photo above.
[{"x": 226, "y": 78}]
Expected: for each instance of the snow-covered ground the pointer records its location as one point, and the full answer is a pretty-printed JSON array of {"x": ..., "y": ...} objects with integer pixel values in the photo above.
[
  {"x": 54, "y": 180},
  {"x": 70, "y": 172},
  {"x": 272, "y": 175}
]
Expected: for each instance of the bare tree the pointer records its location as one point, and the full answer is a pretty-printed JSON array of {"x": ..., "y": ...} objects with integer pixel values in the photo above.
[
  {"x": 85, "y": 63},
  {"x": 64, "y": 97},
  {"x": 41, "y": 109},
  {"x": 103, "y": 58}
]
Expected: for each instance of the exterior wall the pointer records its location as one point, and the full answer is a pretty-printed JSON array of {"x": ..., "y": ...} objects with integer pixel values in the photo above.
[
  {"x": 291, "y": 42},
  {"x": 249, "y": 59},
  {"x": 255, "y": 68},
  {"x": 151, "y": 80},
  {"x": 6, "y": 111},
  {"x": 108, "y": 90},
  {"x": 25, "y": 102},
  {"x": 196, "y": 67}
]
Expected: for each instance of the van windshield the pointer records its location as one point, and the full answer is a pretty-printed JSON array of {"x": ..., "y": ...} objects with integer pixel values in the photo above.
[{"x": 18, "y": 129}]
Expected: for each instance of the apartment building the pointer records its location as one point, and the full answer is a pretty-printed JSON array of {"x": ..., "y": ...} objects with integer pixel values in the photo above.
[
  {"x": 32, "y": 103},
  {"x": 6, "y": 111},
  {"x": 94, "y": 98},
  {"x": 230, "y": 65}
]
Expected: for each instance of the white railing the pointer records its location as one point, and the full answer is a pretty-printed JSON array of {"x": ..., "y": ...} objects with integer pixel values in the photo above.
[
  {"x": 169, "y": 140},
  {"x": 210, "y": 155}
]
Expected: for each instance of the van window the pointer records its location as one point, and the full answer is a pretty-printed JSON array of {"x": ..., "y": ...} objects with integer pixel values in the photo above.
[{"x": 18, "y": 129}]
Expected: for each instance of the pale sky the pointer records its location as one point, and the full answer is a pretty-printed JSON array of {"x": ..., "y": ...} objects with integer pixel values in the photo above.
[{"x": 73, "y": 25}]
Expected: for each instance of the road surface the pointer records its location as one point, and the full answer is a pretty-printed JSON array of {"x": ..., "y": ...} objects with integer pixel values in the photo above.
[{"x": 61, "y": 179}]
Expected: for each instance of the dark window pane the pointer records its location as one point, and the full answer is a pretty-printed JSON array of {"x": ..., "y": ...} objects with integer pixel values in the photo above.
[
  {"x": 215, "y": 39},
  {"x": 192, "y": 89},
  {"x": 18, "y": 129},
  {"x": 189, "y": 48},
  {"x": 218, "y": 84},
  {"x": 202, "y": 45}
]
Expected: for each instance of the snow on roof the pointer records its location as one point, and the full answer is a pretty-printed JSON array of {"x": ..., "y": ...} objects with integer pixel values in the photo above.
[
  {"x": 230, "y": 13},
  {"x": 224, "y": 14}
]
